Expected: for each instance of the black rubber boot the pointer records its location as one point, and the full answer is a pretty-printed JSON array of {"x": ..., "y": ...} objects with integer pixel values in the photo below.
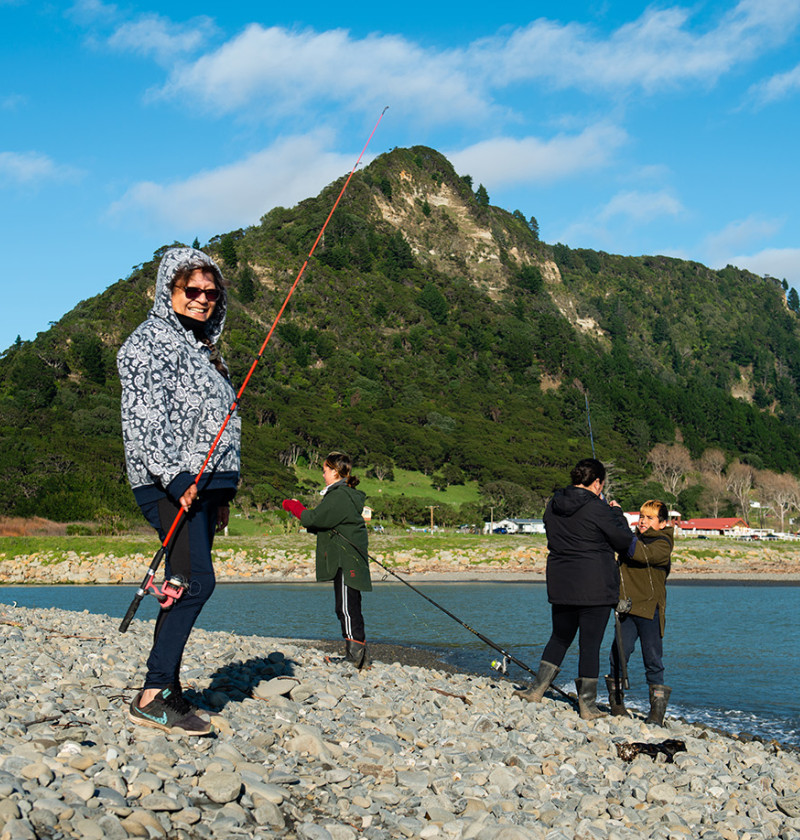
[
  {"x": 545, "y": 675},
  {"x": 659, "y": 694},
  {"x": 587, "y": 698},
  {"x": 616, "y": 698},
  {"x": 357, "y": 653}
]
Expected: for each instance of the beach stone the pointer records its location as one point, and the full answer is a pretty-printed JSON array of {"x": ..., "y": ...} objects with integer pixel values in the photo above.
[
  {"x": 664, "y": 793},
  {"x": 159, "y": 802},
  {"x": 18, "y": 829},
  {"x": 790, "y": 805},
  {"x": 267, "y": 689},
  {"x": 221, "y": 787},
  {"x": 267, "y": 813}
]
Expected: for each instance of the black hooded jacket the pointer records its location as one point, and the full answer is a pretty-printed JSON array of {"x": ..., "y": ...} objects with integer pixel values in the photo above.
[{"x": 584, "y": 533}]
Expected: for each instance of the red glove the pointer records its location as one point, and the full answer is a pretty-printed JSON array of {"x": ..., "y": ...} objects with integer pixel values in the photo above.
[{"x": 294, "y": 507}]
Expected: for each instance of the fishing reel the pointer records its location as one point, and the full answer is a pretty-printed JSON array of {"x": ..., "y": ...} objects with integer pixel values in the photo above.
[
  {"x": 500, "y": 666},
  {"x": 170, "y": 591}
]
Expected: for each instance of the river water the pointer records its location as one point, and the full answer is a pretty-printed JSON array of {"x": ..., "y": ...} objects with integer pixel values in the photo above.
[{"x": 730, "y": 649}]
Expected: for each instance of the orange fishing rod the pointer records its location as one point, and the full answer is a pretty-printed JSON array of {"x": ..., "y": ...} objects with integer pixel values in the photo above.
[{"x": 147, "y": 584}]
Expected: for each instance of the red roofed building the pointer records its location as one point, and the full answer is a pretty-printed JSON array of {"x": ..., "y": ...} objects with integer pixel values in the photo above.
[{"x": 731, "y": 526}]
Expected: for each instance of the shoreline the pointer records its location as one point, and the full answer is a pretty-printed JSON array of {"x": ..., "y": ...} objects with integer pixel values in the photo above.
[
  {"x": 292, "y": 561},
  {"x": 538, "y": 578}
]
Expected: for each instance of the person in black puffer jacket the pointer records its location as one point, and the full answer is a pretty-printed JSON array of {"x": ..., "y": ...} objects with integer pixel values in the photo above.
[{"x": 584, "y": 533}]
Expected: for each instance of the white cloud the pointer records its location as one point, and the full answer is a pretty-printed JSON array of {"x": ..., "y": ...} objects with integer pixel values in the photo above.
[
  {"x": 778, "y": 87},
  {"x": 158, "y": 36},
  {"x": 289, "y": 69},
  {"x": 659, "y": 49},
  {"x": 32, "y": 168},
  {"x": 778, "y": 262},
  {"x": 505, "y": 160},
  {"x": 238, "y": 194},
  {"x": 87, "y": 12},
  {"x": 13, "y": 100},
  {"x": 606, "y": 226},
  {"x": 642, "y": 206},
  {"x": 736, "y": 236}
]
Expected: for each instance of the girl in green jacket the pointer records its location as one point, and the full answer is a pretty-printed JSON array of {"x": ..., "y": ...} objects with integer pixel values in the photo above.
[{"x": 341, "y": 548}]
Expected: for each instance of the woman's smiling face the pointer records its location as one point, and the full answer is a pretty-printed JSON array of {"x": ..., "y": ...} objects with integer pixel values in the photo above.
[{"x": 200, "y": 307}]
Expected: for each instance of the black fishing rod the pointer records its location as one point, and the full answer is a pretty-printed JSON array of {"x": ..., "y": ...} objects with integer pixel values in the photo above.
[
  {"x": 367, "y": 557},
  {"x": 147, "y": 584}
]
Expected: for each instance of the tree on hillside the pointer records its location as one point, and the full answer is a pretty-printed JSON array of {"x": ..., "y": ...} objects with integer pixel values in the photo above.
[
  {"x": 227, "y": 250},
  {"x": 715, "y": 491},
  {"x": 482, "y": 196},
  {"x": 739, "y": 481},
  {"x": 712, "y": 462},
  {"x": 778, "y": 491},
  {"x": 793, "y": 300},
  {"x": 534, "y": 226},
  {"x": 670, "y": 466},
  {"x": 247, "y": 288}
]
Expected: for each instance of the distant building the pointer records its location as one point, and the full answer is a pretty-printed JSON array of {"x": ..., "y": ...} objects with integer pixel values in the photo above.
[
  {"x": 732, "y": 526},
  {"x": 515, "y": 526}
]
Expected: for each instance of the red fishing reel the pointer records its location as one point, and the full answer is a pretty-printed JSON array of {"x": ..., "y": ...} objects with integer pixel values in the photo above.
[{"x": 170, "y": 591}]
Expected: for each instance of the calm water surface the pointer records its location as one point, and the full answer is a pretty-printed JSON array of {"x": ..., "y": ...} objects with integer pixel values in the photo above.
[{"x": 731, "y": 650}]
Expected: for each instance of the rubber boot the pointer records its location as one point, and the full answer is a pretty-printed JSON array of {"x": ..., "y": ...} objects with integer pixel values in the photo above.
[
  {"x": 616, "y": 698},
  {"x": 545, "y": 675},
  {"x": 357, "y": 653},
  {"x": 587, "y": 698},
  {"x": 659, "y": 694}
]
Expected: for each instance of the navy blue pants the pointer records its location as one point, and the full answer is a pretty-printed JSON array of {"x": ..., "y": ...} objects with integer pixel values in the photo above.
[
  {"x": 189, "y": 555},
  {"x": 648, "y": 631},
  {"x": 567, "y": 621},
  {"x": 348, "y": 609}
]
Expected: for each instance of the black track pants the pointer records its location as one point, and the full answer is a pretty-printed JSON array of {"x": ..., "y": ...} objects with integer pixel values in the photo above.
[{"x": 348, "y": 609}]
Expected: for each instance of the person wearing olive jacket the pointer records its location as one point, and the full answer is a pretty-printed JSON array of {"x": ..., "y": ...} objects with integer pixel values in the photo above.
[
  {"x": 584, "y": 533},
  {"x": 342, "y": 548},
  {"x": 644, "y": 569}
]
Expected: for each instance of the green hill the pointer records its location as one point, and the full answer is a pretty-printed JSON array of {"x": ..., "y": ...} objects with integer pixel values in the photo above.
[{"x": 434, "y": 333}]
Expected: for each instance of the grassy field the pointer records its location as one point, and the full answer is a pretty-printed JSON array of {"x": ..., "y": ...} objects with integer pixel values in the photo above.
[
  {"x": 406, "y": 483},
  {"x": 254, "y": 543}
]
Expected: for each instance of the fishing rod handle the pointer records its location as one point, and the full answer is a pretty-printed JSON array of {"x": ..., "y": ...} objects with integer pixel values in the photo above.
[
  {"x": 126, "y": 622},
  {"x": 142, "y": 590}
]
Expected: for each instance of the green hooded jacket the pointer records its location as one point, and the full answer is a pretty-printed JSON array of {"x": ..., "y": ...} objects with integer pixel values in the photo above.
[
  {"x": 644, "y": 576},
  {"x": 340, "y": 508}
]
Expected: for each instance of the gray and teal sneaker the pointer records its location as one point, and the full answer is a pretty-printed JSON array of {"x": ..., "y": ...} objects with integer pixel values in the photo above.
[{"x": 168, "y": 711}]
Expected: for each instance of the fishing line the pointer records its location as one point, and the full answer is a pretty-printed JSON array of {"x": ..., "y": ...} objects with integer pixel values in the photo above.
[
  {"x": 366, "y": 556},
  {"x": 159, "y": 555},
  {"x": 589, "y": 419}
]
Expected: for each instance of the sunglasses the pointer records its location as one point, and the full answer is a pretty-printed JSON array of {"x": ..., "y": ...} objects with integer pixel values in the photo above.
[{"x": 194, "y": 292}]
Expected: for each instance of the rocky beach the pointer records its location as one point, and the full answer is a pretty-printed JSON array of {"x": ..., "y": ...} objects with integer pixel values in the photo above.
[{"x": 307, "y": 747}]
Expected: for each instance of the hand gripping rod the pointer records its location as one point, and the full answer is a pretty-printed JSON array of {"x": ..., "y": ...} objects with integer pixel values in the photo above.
[{"x": 159, "y": 555}]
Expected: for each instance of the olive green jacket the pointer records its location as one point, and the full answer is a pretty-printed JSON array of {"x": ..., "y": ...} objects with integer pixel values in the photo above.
[
  {"x": 340, "y": 509},
  {"x": 644, "y": 576}
]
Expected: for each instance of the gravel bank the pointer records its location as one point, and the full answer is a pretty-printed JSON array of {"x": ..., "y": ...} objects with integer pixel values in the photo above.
[
  {"x": 507, "y": 559},
  {"x": 396, "y": 751}
]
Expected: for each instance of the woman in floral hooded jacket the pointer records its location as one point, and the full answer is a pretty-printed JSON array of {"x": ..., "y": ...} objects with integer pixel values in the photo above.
[{"x": 176, "y": 393}]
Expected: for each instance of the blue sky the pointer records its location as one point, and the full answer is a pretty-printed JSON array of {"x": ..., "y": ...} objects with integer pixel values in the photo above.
[{"x": 633, "y": 129}]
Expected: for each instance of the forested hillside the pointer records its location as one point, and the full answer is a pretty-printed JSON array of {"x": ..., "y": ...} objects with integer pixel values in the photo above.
[{"x": 431, "y": 331}]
